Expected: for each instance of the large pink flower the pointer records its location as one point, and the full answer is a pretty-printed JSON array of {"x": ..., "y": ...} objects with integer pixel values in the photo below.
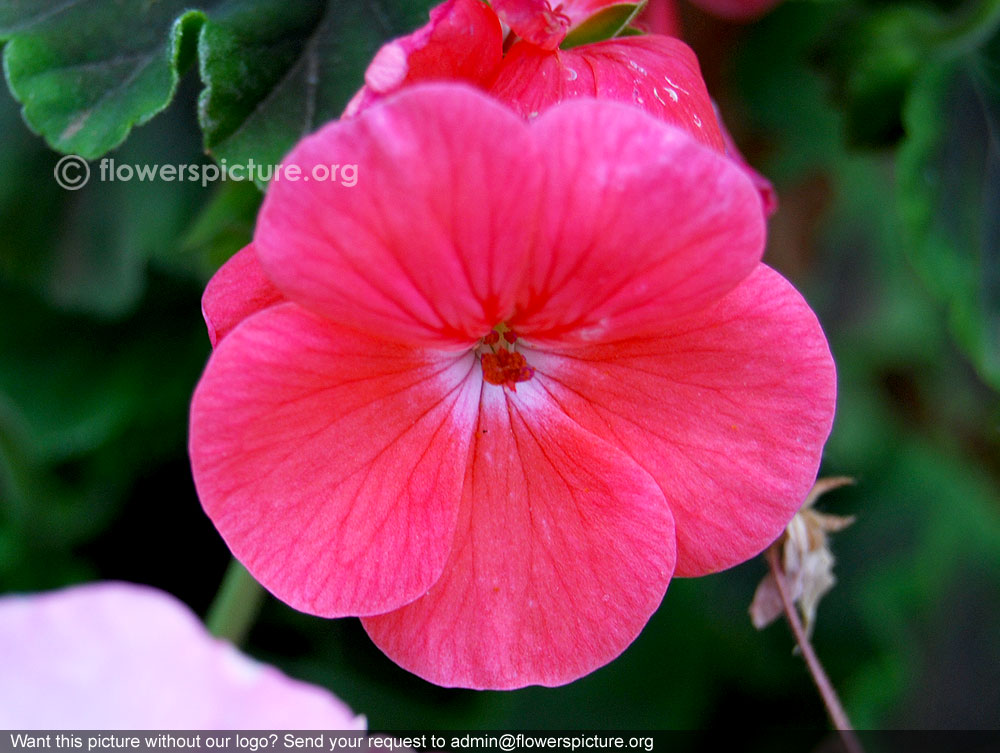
[
  {"x": 121, "y": 656},
  {"x": 369, "y": 440}
]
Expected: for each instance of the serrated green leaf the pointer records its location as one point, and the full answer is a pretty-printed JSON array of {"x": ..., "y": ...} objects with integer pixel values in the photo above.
[{"x": 87, "y": 72}]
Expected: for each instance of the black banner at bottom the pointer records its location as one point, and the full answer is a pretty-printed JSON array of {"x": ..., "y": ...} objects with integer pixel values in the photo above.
[{"x": 473, "y": 741}]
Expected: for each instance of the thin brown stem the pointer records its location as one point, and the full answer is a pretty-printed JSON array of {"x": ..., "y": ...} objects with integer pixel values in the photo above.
[{"x": 826, "y": 690}]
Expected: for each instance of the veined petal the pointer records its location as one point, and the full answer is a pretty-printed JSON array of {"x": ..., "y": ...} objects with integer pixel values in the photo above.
[
  {"x": 430, "y": 243},
  {"x": 332, "y": 462},
  {"x": 563, "y": 550},
  {"x": 727, "y": 409},
  {"x": 462, "y": 42},
  {"x": 656, "y": 73},
  {"x": 238, "y": 289},
  {"x": 640, "y": 224}
]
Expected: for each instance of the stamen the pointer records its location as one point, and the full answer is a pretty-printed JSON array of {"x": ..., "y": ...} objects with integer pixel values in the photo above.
[{"x": 504, "y": 366}]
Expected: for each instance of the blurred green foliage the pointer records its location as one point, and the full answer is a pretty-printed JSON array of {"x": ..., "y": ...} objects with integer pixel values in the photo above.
[{"x": 878, "y": 123}]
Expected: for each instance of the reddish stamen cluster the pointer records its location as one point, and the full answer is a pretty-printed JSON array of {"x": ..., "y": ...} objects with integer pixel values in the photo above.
[
  {"x": 506, "y": 367},
  {"x": 502, "y": 366}
]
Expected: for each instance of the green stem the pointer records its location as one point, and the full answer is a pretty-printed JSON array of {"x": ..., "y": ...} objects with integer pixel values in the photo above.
[{"x": 236, "y": 605}]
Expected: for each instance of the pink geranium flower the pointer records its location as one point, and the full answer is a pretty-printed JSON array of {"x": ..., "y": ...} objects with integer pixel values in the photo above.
[
  {"x": 464, "y": 41},
  {"x": 495, "y": 395},
  {"x": 121, "y": 656}
]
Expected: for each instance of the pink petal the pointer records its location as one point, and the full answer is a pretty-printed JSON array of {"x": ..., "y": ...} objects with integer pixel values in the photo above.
[
  {"x": 238, "y": 289},
  {"x": 728, "y": 410},
  {"x": 330, "y": 461},
  {"x": 659, "y": 74},
  {"x": 534, "y": 21},
  {"x": 120, "y": 656},
  {"x": 428, "y": 246},
  {"x": 641, "y": 224},
  {"x": 563, "y": 550},
  {"x": 461, "y": 42},
  {"x": 737, "y": 10}
]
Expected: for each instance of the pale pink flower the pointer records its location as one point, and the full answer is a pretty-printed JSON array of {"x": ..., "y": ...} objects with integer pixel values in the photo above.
[
  {"x": 122, "y": 656},
  {"x": 502, "y": 520}
]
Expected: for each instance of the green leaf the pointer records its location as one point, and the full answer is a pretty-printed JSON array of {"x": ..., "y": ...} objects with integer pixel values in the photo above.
[
  {"x": 275, "y": 71},
  {"x": 257, "y": 60},
  {"x": 87, "y": 72},
  {"x": 949, "y": 194},
  {"x": 607, "y": 23}
]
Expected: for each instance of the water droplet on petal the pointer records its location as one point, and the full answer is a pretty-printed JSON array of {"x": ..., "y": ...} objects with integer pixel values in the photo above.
[
  {"x": 675, "y": 86},
  {"x": 570, "y": 74}
]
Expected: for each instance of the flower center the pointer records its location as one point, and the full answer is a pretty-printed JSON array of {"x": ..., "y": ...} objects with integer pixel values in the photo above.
[{"x": 502, "y": 365}]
